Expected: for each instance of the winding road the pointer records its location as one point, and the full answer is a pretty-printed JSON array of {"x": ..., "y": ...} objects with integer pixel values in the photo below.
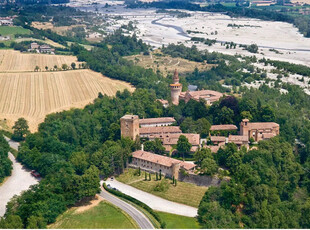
[
  {"x": 155, "y": 202},
  {"x": 19, "y": 181},
  {"x": 139, "y": 217}
]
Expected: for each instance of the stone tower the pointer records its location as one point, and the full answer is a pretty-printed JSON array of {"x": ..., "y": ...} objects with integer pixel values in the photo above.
[
  {"x": 176, "y": 88},
  {"x": 130, "y": 126},
  {"x": 244, "y": 128}
]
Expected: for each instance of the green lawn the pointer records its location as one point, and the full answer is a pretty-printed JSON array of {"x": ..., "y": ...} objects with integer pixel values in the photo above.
[
  {"x": 12, "y": 30},
  {"x": 178, "y": 222},
  {"x": 185, "y": 193},
  {"x": 104, "y": 215}
]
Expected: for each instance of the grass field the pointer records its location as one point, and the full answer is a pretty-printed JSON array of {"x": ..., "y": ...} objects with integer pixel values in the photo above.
[
  {"x": 178, "y": 222},
  {"x": 184, "y": 193},
  {"x": 104, "y": 215},
  {"x": 167, "y": 64},
  {"x": 12, "y": 30}
]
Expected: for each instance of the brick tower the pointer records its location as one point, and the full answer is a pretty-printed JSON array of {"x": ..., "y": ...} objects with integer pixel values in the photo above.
[
  {"x": 130, "y": 126},
  {"x": 176, "y": 88}
]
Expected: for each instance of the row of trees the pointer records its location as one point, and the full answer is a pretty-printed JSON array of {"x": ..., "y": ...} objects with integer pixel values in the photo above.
[{"x": 5, "y": 163}]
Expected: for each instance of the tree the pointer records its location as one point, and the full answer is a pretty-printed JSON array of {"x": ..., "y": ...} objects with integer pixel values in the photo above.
[
  {"x": 12, "y": 222},
  {"x": 73, "y": 65},
  {"x": 246, "y": 115},
  {"x": 202, "y": 154},
  {"x": 88, "y": 183},
  {"x": 209, "y": 166},
  {"x": 20, "y": 130},
  {"x": 64, "y": 66},
  {"x": 55, "y": 67},
  {"x": 154, "y": 146},
  {"x": 183, "y": 146},
  {"x": 36, "y": 222},
  {"x": 36, "y": 69},
  {"x": 79, "y": 162}
]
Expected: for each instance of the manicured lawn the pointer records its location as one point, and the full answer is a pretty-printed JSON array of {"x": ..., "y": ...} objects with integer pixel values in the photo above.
[
  {"x": 104, "y": 215},
  {"x": 178, "y": 222},
  {"x": 184, "y": 193},
  {"x": 12, "y": 30}
]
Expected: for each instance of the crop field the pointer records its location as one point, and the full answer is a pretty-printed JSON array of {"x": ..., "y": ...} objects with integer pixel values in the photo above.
[
  {"x": 167, "y": 64},
  {"x": 36, "y": 94},
  {"x": 14, "y": 61},
  {"x": 57, "y": 29}
]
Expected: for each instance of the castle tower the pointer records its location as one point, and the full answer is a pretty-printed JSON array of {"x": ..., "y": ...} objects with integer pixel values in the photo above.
[
  {"x": 130, "y": 126},
  {"x": 176, "y": 88},
  {"x": 244, "y": 128}
]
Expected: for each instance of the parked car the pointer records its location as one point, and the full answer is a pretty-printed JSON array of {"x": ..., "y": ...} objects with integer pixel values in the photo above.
[{"x": 35, "y": 173}]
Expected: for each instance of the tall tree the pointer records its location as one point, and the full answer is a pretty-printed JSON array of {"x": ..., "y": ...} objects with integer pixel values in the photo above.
[{"x": 20, "y": 129}]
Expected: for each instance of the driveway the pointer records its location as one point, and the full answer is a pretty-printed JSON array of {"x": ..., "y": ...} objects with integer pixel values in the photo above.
[
  {"x": 154, "y": 202},
  {"x": 19, "y": 181},
  {"x": 135, "y": 214}
]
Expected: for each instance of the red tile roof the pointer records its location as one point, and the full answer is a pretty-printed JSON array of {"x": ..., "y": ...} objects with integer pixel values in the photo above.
[
  {"x": 161, "y": 160},
  {"x": 218, "y": 138},
  {"x": 238, "y": 139},
  {"x": 157, "y": 120},
  {"x": 160, "y": 130},
  {"x": 223, "y": 127},
  {"x": 262, "y": 125}
]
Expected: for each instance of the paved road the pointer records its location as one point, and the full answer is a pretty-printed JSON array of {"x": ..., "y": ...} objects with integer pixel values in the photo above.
[
  {"x": 19, "y": 181},
  {"x": 154, "y": 202},
  {"x": 138, "y": 216}
]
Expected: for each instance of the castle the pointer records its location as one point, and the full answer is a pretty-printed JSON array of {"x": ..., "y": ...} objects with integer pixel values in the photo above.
[
  {"x": 209, "y": 96},
  {"x": 176, "y": 88}
]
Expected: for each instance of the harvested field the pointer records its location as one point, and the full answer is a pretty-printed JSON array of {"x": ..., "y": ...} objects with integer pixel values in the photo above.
[
  {"x": 57, "y": 29},
  {"x": 47, "y": 41},
  {"x": 36, "y": 94},
  {"x": 167, "y": 64},
  {"x": 14, "y": 61}
]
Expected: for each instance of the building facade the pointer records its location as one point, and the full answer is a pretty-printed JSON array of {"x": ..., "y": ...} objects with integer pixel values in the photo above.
[
  {"x": 161, "y": 164},
  {"x": 156, "y": 122},
  {"x": 130, "y": 126},
  {"x": 259, "y": 130}
]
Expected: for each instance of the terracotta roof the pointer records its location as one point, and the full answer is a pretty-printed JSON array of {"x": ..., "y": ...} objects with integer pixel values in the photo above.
[
  {"x": 223, "y": 127},
  {"x": 237, "y": 139},
  {"x": 172, "y": 139},
  {"x": 128, "y": 116},
  {"x": 214, "y": 149},
  {"x": 159, "y": 130},
  {"x": 218, "y": 138},
  {"x": 263, "y": 125},
  {"x": 268, "y": 135},
  {"x": 157, "y": 120},
  {"x": 163, "y": 101},
  {"x": 161, "y": 160},
  {"x": 176, "y": 84}
]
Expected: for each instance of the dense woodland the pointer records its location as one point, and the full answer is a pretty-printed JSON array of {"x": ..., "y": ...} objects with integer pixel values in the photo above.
[{"x": 269, "y": 186}]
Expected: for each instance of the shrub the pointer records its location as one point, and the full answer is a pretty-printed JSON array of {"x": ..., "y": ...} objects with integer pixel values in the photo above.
[{"x": 161, "y": 186}]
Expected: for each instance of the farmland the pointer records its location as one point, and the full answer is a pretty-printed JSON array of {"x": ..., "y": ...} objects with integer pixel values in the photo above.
[
  {"x": 33, "y": 95},
  {"x": 14, "y": 61},
  {"x": 12, "y": 30}
]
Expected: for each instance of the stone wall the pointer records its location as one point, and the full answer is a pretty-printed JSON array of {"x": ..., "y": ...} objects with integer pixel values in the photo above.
[{"x": 200, "y": 180}]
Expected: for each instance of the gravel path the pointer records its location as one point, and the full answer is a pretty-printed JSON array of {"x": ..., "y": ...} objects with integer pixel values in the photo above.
[
  {"x": 19, "y": 181},
  {"x": 154, "y": 202}
]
